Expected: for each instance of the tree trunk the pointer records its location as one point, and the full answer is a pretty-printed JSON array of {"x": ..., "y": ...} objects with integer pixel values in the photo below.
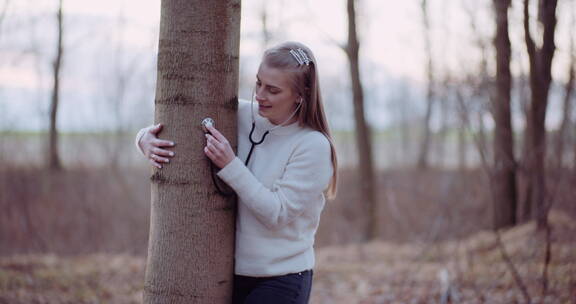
[
  {"x": 540, "y": 77},
  {"x": 191, "y": 246},
  {"x": 54, "y": 163},
  {"x": 363, "y": 138},
  {"x": 564, "y": 133},
  {"x": 266, "y": 34},
  {"x": 3, "y": 13},
  {"x": 504, "y": 171},
  {"x": 426, "y": 133},
  {"x": 462, "y": 129}
]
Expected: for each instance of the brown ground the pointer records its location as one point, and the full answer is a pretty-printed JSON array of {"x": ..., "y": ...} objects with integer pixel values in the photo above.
[{"x": 377, "y": 272}]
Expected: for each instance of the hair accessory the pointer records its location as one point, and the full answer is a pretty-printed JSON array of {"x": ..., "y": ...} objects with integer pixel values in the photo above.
[{"x": 300, "y": 56}]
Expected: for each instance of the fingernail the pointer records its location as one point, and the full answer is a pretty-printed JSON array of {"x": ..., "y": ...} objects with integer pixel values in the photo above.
[
  {"x": 172, "y": 143},
  {"x": 171, "y": 153}
]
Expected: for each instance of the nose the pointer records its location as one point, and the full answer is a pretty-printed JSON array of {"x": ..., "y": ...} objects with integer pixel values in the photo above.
[{"x": 258, "y": 95}]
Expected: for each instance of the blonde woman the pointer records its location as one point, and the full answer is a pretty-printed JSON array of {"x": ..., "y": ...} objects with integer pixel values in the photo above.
[{"x": 286, "y": 162}]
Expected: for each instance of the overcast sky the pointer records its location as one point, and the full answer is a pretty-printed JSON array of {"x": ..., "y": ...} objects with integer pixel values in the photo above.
[{"x": 107, "y": 36}]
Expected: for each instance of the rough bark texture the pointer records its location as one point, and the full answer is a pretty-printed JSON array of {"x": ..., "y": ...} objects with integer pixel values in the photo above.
[
  {"x": 504, "y": 172},
  {"x": 190, "y": 254},
  {"x": 426, "y": 132},
  {"x": 367, "y": 176},
  {"x": 54, "y": 163},
  {"x": 540, "y": 77}
]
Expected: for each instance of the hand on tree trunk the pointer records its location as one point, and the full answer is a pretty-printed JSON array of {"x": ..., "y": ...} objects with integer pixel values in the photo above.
[{"x": 152, "y": 147}]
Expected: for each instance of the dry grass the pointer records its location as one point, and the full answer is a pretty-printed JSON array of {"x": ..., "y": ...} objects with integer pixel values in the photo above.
[{"x": 378, "y": 272}]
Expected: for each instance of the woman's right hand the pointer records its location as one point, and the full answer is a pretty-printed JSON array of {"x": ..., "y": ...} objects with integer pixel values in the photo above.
[{"x": 153, "y": 148}]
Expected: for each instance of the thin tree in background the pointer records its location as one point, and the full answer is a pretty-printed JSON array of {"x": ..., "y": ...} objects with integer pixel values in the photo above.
[
  {"x": 540, "y": 59},
  {"x": 54, "y": 162},
  {"x": 363, "y": 139},
  {"x": 3, "y": 13},
  {"x": 191, "y": 247},
  {"x": 266, "y": 34},
  {"x": 504, "y": 168},
  {"x": 564, "y": 133},
  {"x": 425, "y": 141}
]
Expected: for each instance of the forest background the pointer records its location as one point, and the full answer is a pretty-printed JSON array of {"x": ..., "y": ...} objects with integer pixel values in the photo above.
[{"x": 434, "y": 209}]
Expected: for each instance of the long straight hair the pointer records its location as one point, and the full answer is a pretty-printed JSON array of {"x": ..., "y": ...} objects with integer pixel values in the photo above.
[{"x": 306, "y": 84}]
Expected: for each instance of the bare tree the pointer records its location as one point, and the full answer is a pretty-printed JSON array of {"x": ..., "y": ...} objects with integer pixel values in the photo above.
[
  {"x": 54, "y": 162},
  {"x": 504, "y": 168},
  {"x": 367, "y": 177},
  {"x": 564, "y": 131},
  {"x": 481, "y": 84},
  {"x": 426, "y": 132},
  {"x": 540, "y": 59},
  {"x": 190, "y": 253},
  {"x": 266, "y": 34},
  {"x": 3, "y": 12}
]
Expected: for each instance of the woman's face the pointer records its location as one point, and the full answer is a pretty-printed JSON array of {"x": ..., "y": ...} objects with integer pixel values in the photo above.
[{"x": 274, "y": 94}]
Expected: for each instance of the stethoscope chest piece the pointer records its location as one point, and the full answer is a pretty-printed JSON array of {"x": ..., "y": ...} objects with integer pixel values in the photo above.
[
  {"x": 220, "y": 187},
  {"x": 206, "y": 122}
]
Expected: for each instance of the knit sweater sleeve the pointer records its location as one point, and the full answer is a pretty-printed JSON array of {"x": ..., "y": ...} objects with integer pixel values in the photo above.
[
  {"x": 306, "y": 176},
  {"x": 139, "y": 137}
]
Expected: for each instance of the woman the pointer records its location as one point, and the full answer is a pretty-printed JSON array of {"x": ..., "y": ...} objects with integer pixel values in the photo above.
[{"x": 286, "y": 160}]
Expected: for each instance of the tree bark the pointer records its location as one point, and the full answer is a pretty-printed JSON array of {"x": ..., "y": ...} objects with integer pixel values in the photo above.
[
  {"x": 426, "y": 132},
  {"x": 54, "y": 163},
  {"x": 191, "y": 246},
  {"x": 504, "y": 170},
  {"x": 363, "y": 137},
  {"x": 540, "y": 60}
]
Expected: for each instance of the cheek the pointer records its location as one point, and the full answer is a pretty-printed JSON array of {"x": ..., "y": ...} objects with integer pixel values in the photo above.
[{"x": 282, "y": 100}]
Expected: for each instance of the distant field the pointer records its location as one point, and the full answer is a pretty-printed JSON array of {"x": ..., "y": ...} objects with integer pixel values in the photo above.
[{"x": 96, "y": 150}]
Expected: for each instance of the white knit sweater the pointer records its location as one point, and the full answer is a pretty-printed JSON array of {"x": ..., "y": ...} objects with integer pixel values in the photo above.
[{"x": 280, "y": 195}]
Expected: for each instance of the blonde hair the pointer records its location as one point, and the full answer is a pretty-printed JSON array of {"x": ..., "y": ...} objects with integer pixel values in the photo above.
[{"x": 306, "y": 84}]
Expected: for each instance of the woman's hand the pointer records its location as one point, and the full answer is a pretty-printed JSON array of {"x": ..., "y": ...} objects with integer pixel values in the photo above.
[
  {"x": 152, "y": 147},
  {"x": 218, "y": 148}
]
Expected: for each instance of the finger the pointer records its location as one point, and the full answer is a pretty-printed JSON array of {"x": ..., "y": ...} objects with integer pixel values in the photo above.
[
  {"x": 214, "y": 141},
  {"x": 162, "y": 152},
  {"x": 217, "y": 134},
  {"x": 209, "y": 154},
  {"x": 162, "y": 143},
  {"x": 213, "y": 149},
  {"x": 156, "y": 129},
  {"x": 155, "y": 164},
  {"x": 159, "y": 159}
]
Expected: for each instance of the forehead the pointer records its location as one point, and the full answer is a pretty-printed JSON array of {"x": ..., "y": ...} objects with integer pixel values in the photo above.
[{"x": 273, "y": 76}]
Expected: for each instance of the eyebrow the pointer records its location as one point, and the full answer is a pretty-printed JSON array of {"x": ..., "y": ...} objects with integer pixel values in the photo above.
[{"x": 268, "y": 85}]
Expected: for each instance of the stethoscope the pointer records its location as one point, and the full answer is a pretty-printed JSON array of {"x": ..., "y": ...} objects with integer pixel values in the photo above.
[
  {"x": 255, "y": 143},
  {"x": 209, "y": 121}
]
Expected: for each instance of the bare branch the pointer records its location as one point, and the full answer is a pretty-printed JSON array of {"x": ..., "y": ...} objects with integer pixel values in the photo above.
[
  {"x": 517, "y": 279},
  {"x": 547, "y": 258},
  {"x": 3, "y": 13}
]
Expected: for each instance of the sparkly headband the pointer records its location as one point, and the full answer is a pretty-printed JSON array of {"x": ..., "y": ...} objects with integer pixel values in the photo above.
[{"x": 300, "y": 56}]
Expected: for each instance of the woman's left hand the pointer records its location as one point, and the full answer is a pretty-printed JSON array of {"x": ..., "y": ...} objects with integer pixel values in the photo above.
[{"x": 218, "y": 148}]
